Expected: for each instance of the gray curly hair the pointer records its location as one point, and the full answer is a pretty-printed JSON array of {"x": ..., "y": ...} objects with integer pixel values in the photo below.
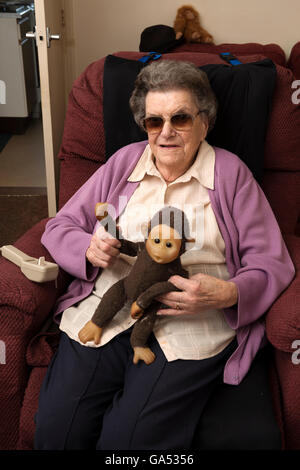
[{"x": 173, "y": 75}]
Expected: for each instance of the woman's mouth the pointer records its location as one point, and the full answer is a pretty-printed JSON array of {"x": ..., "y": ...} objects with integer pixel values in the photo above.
[{"x": 169, "y": 146}]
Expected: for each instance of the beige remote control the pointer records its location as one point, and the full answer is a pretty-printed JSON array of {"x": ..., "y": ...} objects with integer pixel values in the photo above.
[{"x": 38, "y": 270}]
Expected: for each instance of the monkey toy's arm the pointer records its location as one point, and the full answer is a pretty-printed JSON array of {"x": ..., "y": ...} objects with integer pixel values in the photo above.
[
  {"x": 130, "y": 248},
  {"x": 147, "y": 297},
  {"x": 127, "y": 247},
  {"x": 179, "y": 25}
]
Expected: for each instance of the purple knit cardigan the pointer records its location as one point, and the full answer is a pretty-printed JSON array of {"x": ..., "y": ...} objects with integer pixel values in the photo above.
[{"x": 256, "y": 256}]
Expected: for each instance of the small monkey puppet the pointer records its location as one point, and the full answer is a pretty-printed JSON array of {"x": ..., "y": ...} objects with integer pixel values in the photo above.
[
  {"x": 158, "y": 258},
  {"x": 187, "y": 24}
]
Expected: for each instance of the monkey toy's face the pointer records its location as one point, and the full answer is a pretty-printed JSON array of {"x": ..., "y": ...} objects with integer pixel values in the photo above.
[
  {"x": 163, "y": 244},
  {"x": 189, "y": 15}
]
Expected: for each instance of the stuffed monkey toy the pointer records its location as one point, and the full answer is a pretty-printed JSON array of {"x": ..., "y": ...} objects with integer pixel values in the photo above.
[
  {"x": 158, "y": 258},
  {"x": 187, "y": 24}
]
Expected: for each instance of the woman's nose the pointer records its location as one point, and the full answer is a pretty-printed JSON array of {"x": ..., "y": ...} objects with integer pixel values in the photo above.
[{"x": 167, "y": 130}]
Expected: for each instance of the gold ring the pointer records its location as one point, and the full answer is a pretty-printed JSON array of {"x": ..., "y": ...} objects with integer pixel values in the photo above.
[{"x": 177, "y": 306}]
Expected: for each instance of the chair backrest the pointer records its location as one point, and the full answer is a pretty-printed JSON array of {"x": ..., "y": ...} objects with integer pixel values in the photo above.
[
  {"x": 83, "y": 146},
  {"x": 272, "y": 51}
]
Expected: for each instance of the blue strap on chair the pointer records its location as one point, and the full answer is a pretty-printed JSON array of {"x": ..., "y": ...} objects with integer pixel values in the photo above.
[
  {"x": 150, "y": 56},
  {"x": 230, "y": 58}
]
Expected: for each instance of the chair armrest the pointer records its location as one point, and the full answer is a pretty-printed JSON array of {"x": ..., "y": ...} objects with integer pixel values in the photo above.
[
  {"x": 24, "y": 307},
  {"x": 283, "y": 318},
  {"x": 25, "y": 304}
]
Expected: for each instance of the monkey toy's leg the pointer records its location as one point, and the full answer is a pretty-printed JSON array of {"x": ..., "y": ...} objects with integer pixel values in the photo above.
[
  {"x": 140, "y": 334},
  {"x": 112, "y": 301}
]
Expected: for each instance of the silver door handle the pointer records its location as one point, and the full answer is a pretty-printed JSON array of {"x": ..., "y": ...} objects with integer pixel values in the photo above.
[{"x": 50, "y": 37}]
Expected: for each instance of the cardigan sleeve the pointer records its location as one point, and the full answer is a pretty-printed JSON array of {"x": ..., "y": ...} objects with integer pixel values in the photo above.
[
  {"x": 265, "y": 268},
  {"x": 67, "y": 236}
]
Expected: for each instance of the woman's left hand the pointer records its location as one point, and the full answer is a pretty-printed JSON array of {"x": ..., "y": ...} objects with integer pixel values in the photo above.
[{"x": 198, "y": 293}]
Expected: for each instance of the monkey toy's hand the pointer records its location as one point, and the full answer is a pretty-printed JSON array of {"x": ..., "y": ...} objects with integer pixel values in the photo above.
[
  {"x": 90, "y": 332},
  {"x": 143, "y": 354},
  {"x": 136, "y": 311}
]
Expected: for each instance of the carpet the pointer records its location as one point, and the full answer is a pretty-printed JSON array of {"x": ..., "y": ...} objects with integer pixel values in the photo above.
[
  {"x": 4, "y": 138},
  {"x": 19, "y": 212}
]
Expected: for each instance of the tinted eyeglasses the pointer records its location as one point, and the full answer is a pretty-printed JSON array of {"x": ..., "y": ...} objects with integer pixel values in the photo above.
[{"x": 179, "y": 122}]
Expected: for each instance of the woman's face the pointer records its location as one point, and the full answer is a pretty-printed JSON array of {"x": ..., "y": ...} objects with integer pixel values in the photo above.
[{"x": 174, "y": 150}]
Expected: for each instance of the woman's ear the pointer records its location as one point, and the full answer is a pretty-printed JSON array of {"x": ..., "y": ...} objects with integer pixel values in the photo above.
[{"x": 205, "y": 126}]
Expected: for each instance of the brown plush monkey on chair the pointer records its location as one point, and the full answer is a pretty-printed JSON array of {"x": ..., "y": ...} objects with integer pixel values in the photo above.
[
  {"x": 187, "y": 24},
  {"x": 158, "y": 258}
]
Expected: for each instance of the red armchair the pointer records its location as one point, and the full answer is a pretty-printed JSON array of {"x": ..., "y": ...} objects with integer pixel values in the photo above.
[{"x": 27, "y": 332}]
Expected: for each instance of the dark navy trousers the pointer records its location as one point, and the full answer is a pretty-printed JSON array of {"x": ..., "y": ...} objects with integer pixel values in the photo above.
[{"x": 96, "y": 398}]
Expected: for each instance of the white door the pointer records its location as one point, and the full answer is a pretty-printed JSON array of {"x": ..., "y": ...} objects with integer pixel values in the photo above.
[{"x": 51, "y": 67}]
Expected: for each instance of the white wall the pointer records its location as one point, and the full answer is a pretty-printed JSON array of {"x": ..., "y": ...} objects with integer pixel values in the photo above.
[{"x": 95, "y": 28}]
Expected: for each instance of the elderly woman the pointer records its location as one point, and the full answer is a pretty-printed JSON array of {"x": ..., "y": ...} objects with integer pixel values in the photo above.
[{"x": 93, "y": 395}]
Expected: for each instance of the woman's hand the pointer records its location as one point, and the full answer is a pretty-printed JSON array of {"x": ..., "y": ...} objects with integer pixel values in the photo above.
[
  {"x": 103, "y": 250},
  {"x": 198, "y": 293}
]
